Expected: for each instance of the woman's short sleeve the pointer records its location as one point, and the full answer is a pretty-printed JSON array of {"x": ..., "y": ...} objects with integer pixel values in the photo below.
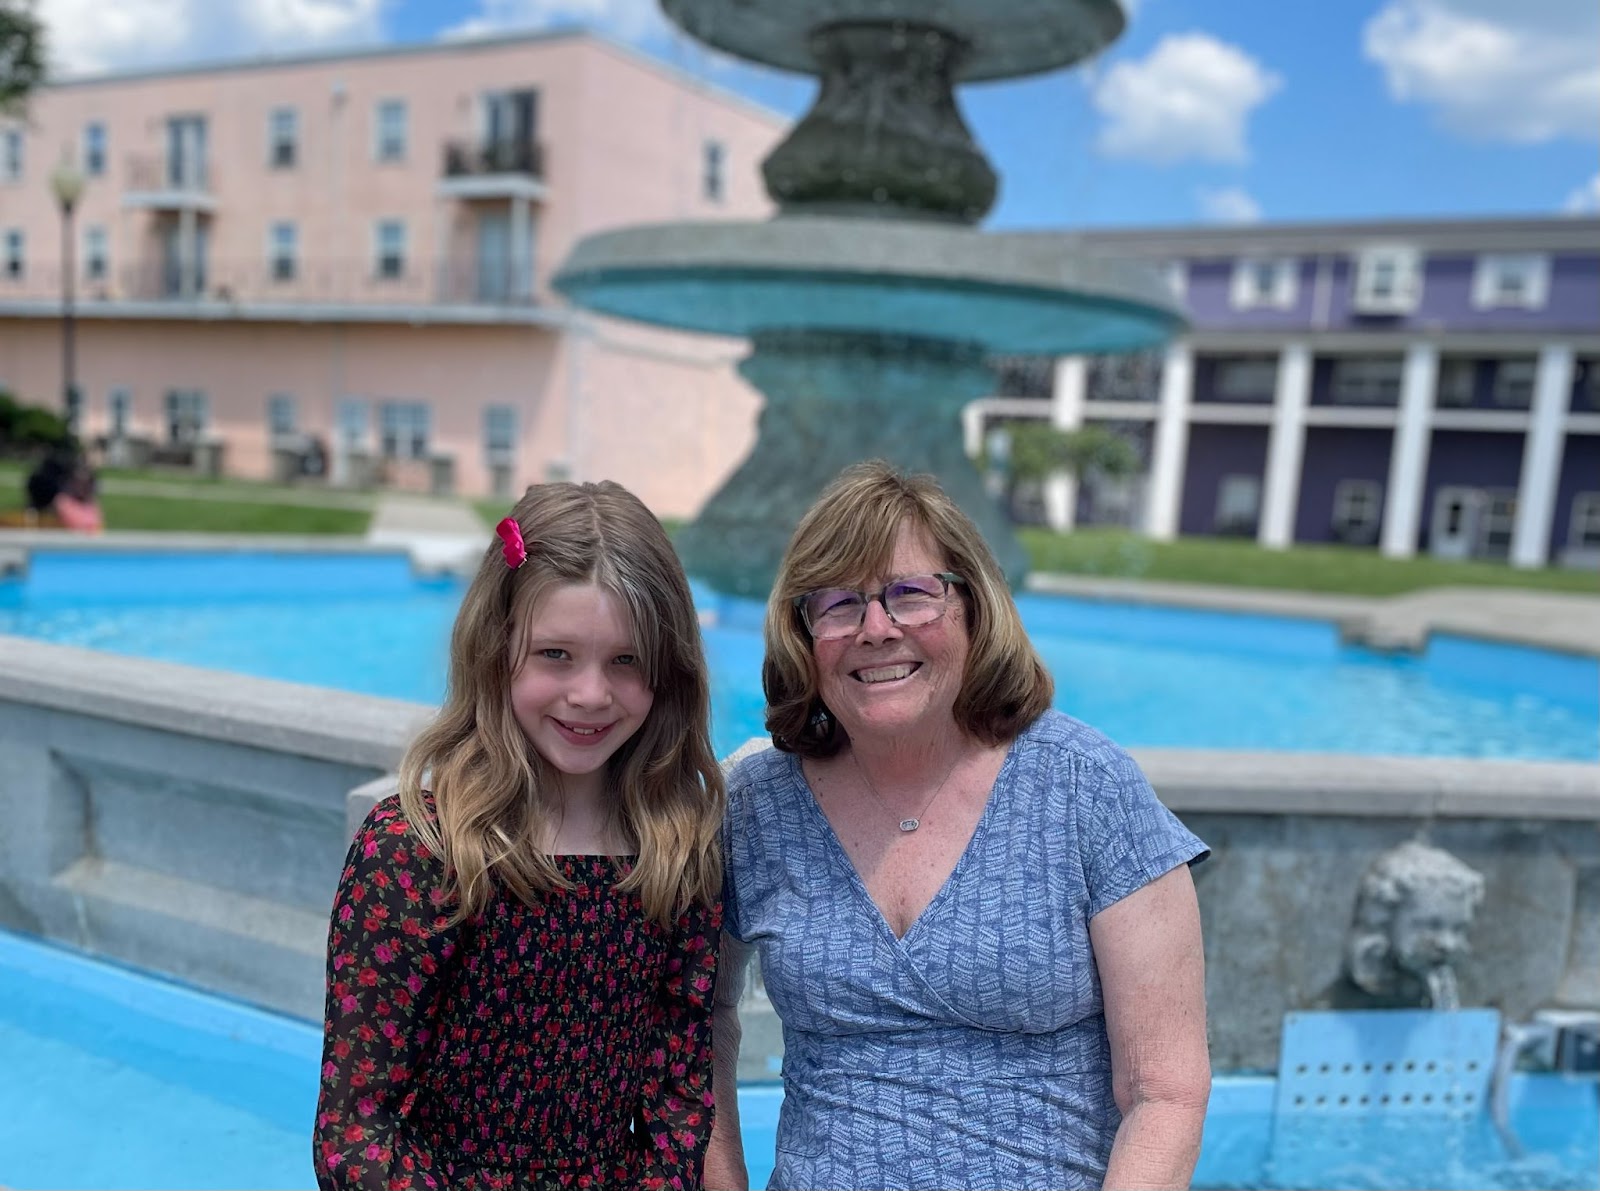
[{"x": 1128, "y": 837}]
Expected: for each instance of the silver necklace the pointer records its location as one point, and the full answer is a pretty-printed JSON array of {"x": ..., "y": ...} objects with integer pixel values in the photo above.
[{"x": 914, "y": 822}]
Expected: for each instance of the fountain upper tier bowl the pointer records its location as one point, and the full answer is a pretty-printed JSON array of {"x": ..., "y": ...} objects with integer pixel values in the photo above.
[
  {"x": 1010, "y": 293},
  {"x": 1004, "y": 38}
]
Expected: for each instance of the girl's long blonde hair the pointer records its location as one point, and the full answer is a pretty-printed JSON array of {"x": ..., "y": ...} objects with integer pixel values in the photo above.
[{"x": 475, "y": 790}]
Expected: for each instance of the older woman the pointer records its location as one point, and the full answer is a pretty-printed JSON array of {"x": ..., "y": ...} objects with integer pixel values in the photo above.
[{"x": 974, "y": 918}]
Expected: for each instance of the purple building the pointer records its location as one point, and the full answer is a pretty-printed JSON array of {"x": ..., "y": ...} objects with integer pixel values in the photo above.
[{"x": 1415, "y": 386}]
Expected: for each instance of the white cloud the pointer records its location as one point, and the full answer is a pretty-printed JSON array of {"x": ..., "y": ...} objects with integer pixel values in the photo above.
[
  {"x": 1522, "y": 72},
  {"x": 91, "y": 35},
  {"x": 630, "y": 20},
  {"x": 1585, "y": 200},
  {"x": 1191, "y": 98},
  {"x": 1230, "y": 204}
]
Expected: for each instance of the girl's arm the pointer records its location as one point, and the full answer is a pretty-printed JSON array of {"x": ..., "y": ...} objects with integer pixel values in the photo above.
[
  {"x": 1152, "y": 974},
  {"x": 389, "y": 950},
  {"x": 725, "y": 1167},
  {"x": 675, "y": 1110}
]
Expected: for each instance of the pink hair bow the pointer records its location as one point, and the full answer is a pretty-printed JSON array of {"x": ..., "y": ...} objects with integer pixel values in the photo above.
[{"x": 510, "y": 533}]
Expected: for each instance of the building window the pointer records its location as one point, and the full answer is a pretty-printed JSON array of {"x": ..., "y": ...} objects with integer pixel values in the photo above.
[
  {"x": 405, "y": 429},
  {"x": 281, "y": 420},
  {"x": 119, "y": 410},
  {"x": 283, "y": 138},
  {"x": 15, "y": 254},
  {"x": 1356, "y": 505},
  {"x": 1263, "y": 283},
  {"x": 283, "y": 245},
  {"x": 499, "y": 432},
  {"x": 389, "y": 130},
  {"x": 1513, "y": 383},
  {"x": 1127, "y": 376},
  {"x": 1520, "y": 281},
  {"x": 711, "y": 183},
  {"x": 352, "y": 420},
  {"x": 94, "y": 149},
  {"x": 1457, "y": 384},
  {"x": 1238, "y": 504},
  {"x": 94, "y": 252},
  {"x": 1583, "y": 533},
  {"x": 186, "y": 416},
  {"x": 389, "y": 248},
  {"x": 11, "y": 155},
  {"x": 1371, "y": 380},
  {"x": 1586, "y": 386},
  {"x": 1247, "y": 378},
  {"x": 1388, "y": 280}
]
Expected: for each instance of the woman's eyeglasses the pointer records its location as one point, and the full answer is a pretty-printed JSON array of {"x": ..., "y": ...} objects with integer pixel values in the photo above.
[{"x": 910, "y": 602}]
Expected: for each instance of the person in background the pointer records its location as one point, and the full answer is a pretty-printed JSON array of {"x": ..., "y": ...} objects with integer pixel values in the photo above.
[
  {"x": 523, "y": 948},
  {"x": 974, "y": 919}
]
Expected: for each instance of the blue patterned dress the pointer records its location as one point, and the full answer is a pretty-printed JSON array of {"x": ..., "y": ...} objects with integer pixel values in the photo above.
[{"x": 973, "y": 1051}]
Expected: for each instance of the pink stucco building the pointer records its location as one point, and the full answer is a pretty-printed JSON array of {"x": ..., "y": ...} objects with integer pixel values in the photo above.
[{"x": 348, "y": 256}]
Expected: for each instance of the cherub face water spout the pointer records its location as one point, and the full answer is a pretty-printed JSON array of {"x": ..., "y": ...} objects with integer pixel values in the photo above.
[{"x": 1413, "y": 913}]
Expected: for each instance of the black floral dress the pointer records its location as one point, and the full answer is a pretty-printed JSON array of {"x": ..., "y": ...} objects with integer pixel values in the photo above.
[{"x": 563, "y": 1044}]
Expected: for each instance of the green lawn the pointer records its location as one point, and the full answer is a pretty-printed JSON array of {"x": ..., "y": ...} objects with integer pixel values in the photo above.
[{"x": 1234, "y": 562}]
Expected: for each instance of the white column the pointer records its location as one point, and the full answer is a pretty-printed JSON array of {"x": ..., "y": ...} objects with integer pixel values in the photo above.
[
  {"x": 1171, "y": 448},
  {"x": 972, "y": 429},
  {"x": 1286, "y": 448},
  {"x": 1408, "y": 457},
  {"x": 1066, "y": 413},
  {"x": 1541, "y": 458}
]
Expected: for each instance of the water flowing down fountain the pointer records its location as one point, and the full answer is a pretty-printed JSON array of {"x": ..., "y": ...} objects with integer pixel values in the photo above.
[{"x": 871, "y": 301}]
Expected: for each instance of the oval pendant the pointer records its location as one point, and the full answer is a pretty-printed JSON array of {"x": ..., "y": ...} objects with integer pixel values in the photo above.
[{"x": 910, "y": 824}]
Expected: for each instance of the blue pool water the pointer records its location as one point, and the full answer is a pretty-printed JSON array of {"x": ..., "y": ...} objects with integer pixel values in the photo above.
[
  {"x": 1147, "y": 676},
  {"x": 111, "y": 1079}
]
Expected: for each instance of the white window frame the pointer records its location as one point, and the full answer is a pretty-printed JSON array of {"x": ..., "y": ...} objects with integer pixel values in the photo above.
[
  {"x": 283, "y": 138},
  {"x": 713, "y": 171},
  {"x": 381, "y": 254},
  {"x": 283, "y": 251},
  {"x": 96, "y": 252},
  {"x": 1282, "y": 283},
  {"x": 188, "y": 414},
  {"x": 499, "y": 432},
  {"x": 1357, "y": 509},
  {"x": 1449, "y": 386},
  {"x": 1366, "y": 380},
  {"x": 119, "y": 411},
  {"x": 1584, "y": 522},
  {"x": 1247, "y": 395},
  {"x": 95, "y": 149},
  {"x": 14, "y": 266},
  {"x": 404, "y": 429},
  {"x": 1532, "y": 271},
  {"x": 1226, "y": 487},
  {"x": 388, "y": 148},
  {"x": 1403, "y": 265},
  {"x": 13, "y": 155},
  {"x": 1515, "y": 370},
  {"x": 283, "y": 417}
]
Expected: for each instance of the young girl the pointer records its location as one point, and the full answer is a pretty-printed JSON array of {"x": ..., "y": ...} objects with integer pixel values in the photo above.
[{"x": 523, "y": 946}]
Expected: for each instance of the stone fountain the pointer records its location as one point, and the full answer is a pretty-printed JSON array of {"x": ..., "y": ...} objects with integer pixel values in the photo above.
[{"x": 871, "y": 300}]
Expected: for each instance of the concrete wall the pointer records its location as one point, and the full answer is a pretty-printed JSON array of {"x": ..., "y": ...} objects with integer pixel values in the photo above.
[{"x": 195, "y": 823}]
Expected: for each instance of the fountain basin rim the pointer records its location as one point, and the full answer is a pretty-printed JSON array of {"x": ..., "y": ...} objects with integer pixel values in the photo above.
[
  {"x": 1008, "y": 38},
  {"x": 1006, "y": 292}
]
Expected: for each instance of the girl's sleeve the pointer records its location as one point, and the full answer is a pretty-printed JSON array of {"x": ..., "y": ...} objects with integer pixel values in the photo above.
[
  {"x": 675, "y": 1113},
  {"x": 389, "y": 959}
]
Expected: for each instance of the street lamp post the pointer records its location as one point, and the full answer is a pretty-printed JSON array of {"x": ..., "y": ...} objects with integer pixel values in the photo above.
[{"x": 67, "y": 183}]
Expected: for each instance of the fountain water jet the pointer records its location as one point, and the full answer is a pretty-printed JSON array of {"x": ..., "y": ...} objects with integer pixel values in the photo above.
[{"x": 871, "y": 302}]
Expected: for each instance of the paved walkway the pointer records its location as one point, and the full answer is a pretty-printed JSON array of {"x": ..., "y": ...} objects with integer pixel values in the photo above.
[
  {"x": 1548, "y": 620},
  {"x": 440, "y": 533}
]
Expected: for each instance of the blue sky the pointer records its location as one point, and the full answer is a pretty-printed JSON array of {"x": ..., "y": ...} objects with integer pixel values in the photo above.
[{"x": 1227, "y": 111}]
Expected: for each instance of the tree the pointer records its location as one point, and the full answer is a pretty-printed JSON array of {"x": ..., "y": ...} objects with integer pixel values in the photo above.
[
  {"x": 1039, "y": 450},
  {"x": 22, "y": 54}
]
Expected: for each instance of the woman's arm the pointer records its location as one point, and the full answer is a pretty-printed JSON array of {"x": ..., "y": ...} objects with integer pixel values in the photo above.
[
  {"x": 1152, "y": 976},
  {"x": 725, "y": 1168},
  {"x": 389, "y": 951}
]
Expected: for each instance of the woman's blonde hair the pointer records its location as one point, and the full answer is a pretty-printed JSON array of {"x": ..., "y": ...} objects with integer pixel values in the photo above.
[
  {"x": 476, "y": 791},
  {"x": 847, "y": 539}
]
